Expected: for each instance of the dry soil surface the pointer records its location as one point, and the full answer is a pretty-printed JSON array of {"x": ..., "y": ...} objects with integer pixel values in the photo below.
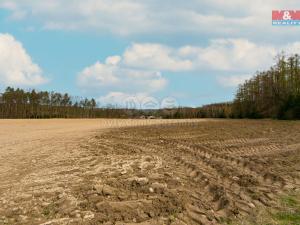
[{"x": 143, "y": 171}]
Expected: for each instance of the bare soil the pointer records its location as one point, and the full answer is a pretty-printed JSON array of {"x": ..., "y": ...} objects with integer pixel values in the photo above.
[{"x": 144, "y": 171}]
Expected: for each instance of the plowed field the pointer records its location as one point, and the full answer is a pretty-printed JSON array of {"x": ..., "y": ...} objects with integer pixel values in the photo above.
[{"x": 153, "y": 172}]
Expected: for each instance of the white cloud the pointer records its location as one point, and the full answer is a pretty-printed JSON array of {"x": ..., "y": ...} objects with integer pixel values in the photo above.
[
  {"x": 11, "y": 5},
  {"x": 126, "y": 17},
  {"x": 235, "y": 54},
  {"x": 16, "y": 66},
  {"x": 114, "y": 76},
  {"x": 113, "y": 60},
  {"x": 139, "y": 68},
  {"x": 155, "y": 56},
  {"x": 120, "y": 17},
  {"x": 233, "y": 81},
  {"x": 220, "y": 55},
  {"x": 98, "y": 75}
]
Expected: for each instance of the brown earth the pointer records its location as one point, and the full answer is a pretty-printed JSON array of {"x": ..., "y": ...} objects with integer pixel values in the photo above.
[{"x": 144, "y": 171}]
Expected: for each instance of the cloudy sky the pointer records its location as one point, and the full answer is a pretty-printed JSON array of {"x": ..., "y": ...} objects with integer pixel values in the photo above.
[{"x": 195, "y": 52}]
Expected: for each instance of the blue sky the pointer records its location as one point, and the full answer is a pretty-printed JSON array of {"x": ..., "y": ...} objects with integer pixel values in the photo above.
[{"x": 194, "y": 52}]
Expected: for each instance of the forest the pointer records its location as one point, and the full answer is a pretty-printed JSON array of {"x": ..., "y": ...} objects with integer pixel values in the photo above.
[
  {"x": 17, "y": 103},
  {"x": 274, "y": 93}
]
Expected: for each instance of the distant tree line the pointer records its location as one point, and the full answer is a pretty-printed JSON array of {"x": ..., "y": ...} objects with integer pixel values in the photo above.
[
  {"x": 217, "y": 110},
  {"x": 17, "y": 103}
]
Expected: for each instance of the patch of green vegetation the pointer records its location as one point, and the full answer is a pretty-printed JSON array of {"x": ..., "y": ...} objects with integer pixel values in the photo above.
[
  {"x": 288, "y": 217},
  {"x": 290, "y": 200},
  {"x": 285, "y": 212},
  {"x": 289, "y": 212},
  {"x": 49, "y": 210},
  {"x": 227, "y": 221},
  {"x": 46, "y": 212}
]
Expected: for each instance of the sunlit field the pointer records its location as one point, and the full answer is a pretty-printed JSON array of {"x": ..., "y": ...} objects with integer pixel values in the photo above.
[{"x": 102, "y": 171}]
